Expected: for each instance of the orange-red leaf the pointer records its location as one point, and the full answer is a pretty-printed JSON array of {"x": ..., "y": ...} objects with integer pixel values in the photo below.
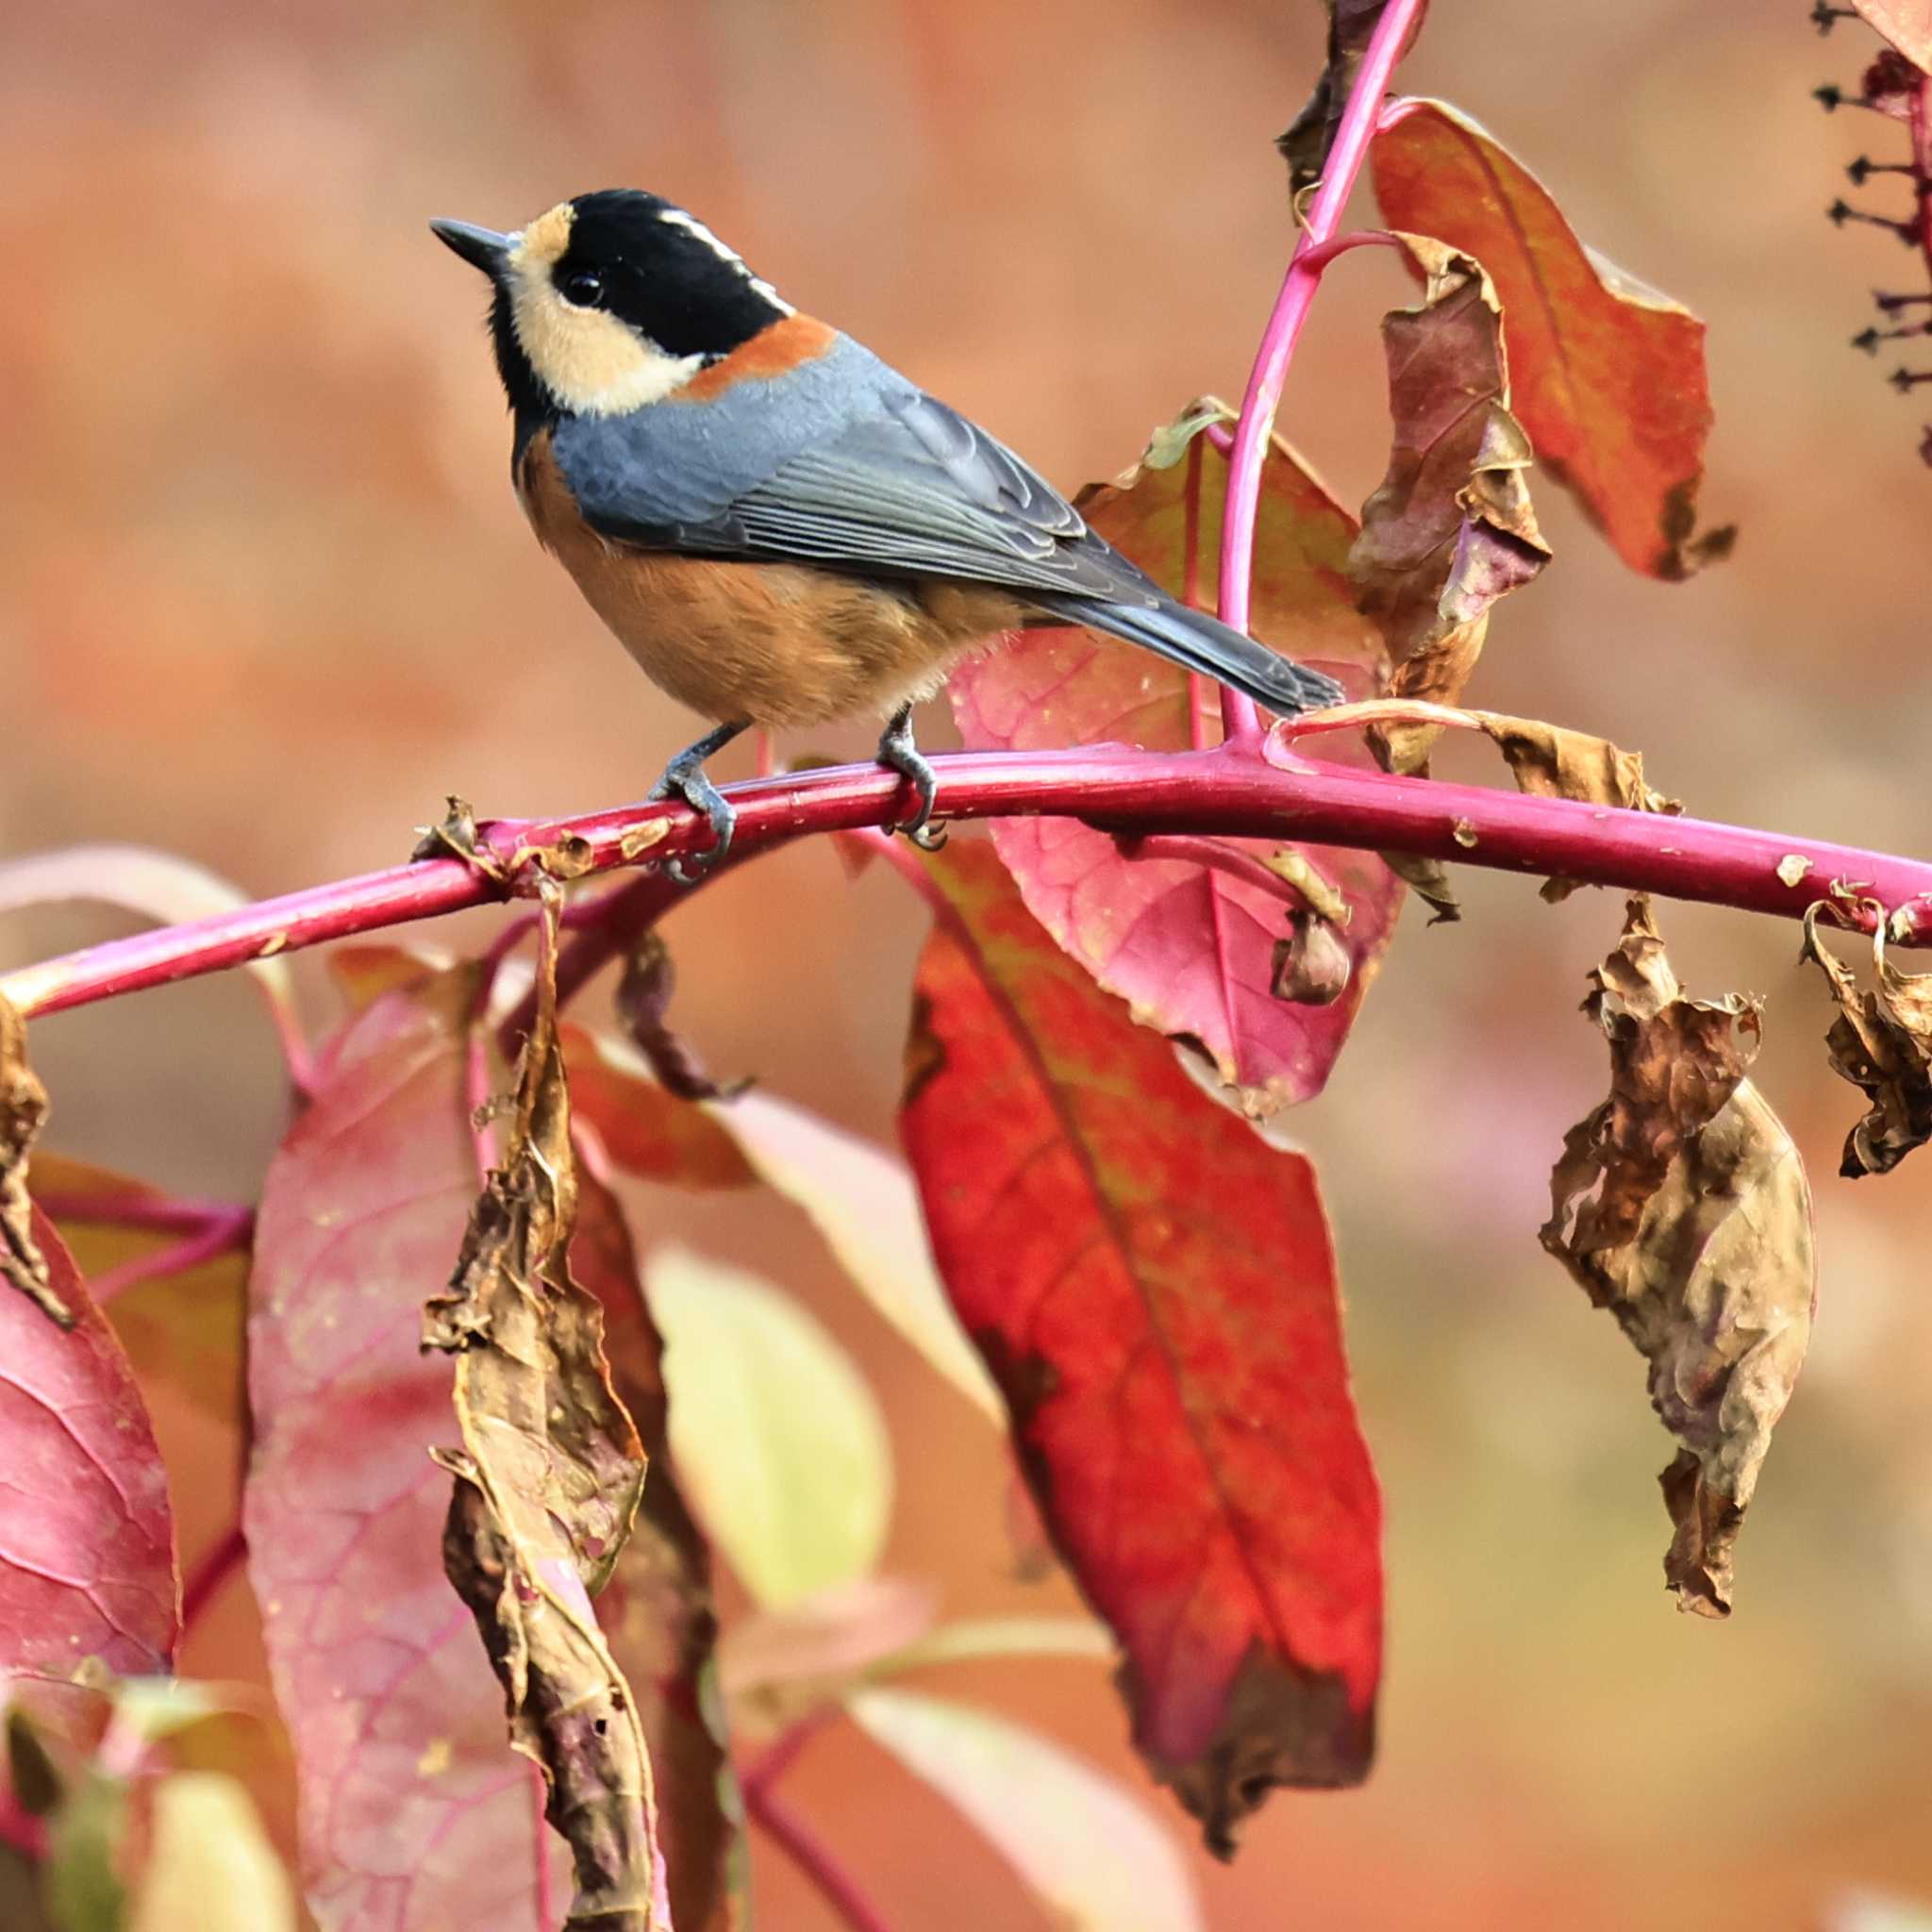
[
  {"x": 1154, "y": 1288},
  {"x": 87, "y": 1541},
  {"x": 1608, "y": 375},
  {"x": 1189, "y": 947}
]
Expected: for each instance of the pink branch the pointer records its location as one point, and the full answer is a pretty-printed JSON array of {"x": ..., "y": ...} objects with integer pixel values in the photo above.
[
  {"x": 814, "y": 1858},
  {"x": 1216, "y": 857},
  {"x": 1212, "y": 792},
  {"x": 209, "y": 1574},
  {"x": 1312, "y": 254},
  {"x": 224, "y": 1231},
  {"x": 153, "y": 1213}
]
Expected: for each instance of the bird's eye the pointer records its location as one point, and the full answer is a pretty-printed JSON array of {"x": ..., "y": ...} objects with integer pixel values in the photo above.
[{"x": 582, "y": 288}]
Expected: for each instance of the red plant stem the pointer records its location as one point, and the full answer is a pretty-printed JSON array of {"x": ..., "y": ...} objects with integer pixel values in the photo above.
[
  {"x": 225, "y": 1231},
  {"x": 1344, "y": 163},
  {"x": 152, "y": 1214},
  {"x": 210, "y": 1573},
  {"x": 781, "y": 1756},
  {"x": 1216, "y": 857},
  {"x": 1208, "y": 793},
  {"x": 20, "y": 1829},
  {"x": 815, "y": 1859}
]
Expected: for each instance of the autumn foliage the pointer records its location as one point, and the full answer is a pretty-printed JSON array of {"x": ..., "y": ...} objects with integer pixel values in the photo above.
[{"x": 507, "y": 1453}]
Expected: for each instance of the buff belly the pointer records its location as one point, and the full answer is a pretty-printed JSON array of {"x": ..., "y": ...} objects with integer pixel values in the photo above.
[{"x": 781, "y": 644}]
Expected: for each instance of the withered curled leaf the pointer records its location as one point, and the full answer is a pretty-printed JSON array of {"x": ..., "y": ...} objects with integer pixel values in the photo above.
[
  {"x": 1881, "y": 1042},
  {"x": 1550, "y": 763},
  {"x": 1312, "y": 965},
  {"x": 1304, "y": 144},
  {"x": 1681, "y": 1206},
  {"x": 643, "y": 1003},
  {"x": 1450, "y": 529},
  {"x": 23, "y": 1113},
  {"x": 1546, "y": 760},
  {"x": 547, "y": 1484}
]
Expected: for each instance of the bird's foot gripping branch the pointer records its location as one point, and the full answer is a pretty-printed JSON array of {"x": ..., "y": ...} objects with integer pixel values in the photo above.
[{"x": 445, "y": 1255}]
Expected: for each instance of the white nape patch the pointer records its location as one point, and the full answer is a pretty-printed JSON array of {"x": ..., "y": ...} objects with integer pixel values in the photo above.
[
  {"x": 677, "y": 218},
  {"x": 593, "y": 363}
]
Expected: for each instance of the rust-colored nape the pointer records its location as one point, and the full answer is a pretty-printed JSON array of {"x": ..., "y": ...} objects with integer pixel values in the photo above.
[{"x": 788, "y": 342}]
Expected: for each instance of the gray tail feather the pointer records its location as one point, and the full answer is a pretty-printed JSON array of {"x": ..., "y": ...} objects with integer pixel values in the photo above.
[{"x": 1204, "y": 643}]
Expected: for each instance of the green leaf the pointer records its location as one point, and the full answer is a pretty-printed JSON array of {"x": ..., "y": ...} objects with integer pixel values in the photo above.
[
  {"x": 82, "y": 1882},
  {"x": 1095, "y": 1856},
  {"x": 209, "y": 1863},
  {"x": 780, "y": 1442},
  {"x": 863, "y": 1204},
  {"x": 972, "y": 1638}
]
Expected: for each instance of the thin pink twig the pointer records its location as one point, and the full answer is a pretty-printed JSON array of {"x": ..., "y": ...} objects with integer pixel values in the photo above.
[
  {"x": 815, "y": 1859},
  {"x": 153, "y": 1213},
  {"x": 210, "y": 1573},
  {"x": 764, "y": 1772},
  {"x": 225, "y": 1231},
  {"x": 1206, "y": 792},
  {"x": 1344, "y": 163},
  {"x": 1216, "y": 857}
]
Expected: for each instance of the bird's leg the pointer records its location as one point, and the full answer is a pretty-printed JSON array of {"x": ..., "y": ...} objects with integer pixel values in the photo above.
[
  {"x": 897, "y": 751},
  {"x": 684, "y": 778}
]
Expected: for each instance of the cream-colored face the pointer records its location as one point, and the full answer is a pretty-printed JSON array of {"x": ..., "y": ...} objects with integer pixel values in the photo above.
[{"x": 590, "y": 361}]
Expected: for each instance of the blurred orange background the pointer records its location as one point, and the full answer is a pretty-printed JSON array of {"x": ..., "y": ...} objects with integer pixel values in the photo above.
[{"x": 267, "y": 597}]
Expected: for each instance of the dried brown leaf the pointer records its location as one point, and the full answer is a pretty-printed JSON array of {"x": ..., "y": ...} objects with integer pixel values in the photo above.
[
  {"x": 23, "y": 1113},
  {"x": 1881, "y": 1042},
  {"x": 1550, "y": 763},
  {"x": 643, "y": 1003},
  {"x": 1305, "y": 143},
  {"x": 1450, "y": 529},
  {"x": 1681, "y": 1206},
  {"x": 1311, "y": 964},
  {"x": 1546, "y": 760},
  {"x": 547, "y": 1484}
]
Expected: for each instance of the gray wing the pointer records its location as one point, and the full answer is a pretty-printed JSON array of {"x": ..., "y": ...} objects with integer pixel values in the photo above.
[{"x": 842, "y": 463}]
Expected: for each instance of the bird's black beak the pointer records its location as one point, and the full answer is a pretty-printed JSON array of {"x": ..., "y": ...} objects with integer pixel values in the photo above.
[{"x": 481, "y": 248}]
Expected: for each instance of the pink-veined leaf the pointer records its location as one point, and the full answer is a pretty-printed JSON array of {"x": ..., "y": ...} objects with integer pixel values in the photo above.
[
  {"x": 1191, "y": 948},
  {"x": 159, "y": 886},
  {"x": 86, "y": 1540},
  {"x": 397, "y": 1721},
  {"x": 416, "y": 1815}
]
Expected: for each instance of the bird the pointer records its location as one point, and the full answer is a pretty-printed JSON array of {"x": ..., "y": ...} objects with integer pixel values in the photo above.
[{"x": 778, "y": 527}]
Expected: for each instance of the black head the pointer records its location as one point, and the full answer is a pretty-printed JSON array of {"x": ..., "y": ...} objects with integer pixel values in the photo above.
[{"x": 611, "y": 301}]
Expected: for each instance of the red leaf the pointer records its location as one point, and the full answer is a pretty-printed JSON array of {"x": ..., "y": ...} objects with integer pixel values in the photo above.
[
  {"x": 86, "y": 1540},
  {"x": 1189, "y": 947},
  {"x": 1608, "y": 375},
  {"x": 397, "y": 1719},
  {"x": 1154, "y": 1289}
]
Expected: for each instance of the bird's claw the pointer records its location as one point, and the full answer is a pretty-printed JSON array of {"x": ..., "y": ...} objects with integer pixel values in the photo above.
[
  {"x": 684, "y": 778},
  {"x": 898, "y": 753}
]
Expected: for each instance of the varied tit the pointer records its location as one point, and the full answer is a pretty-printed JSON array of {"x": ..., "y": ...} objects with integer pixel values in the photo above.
[{"x": 778, "y": 527}]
